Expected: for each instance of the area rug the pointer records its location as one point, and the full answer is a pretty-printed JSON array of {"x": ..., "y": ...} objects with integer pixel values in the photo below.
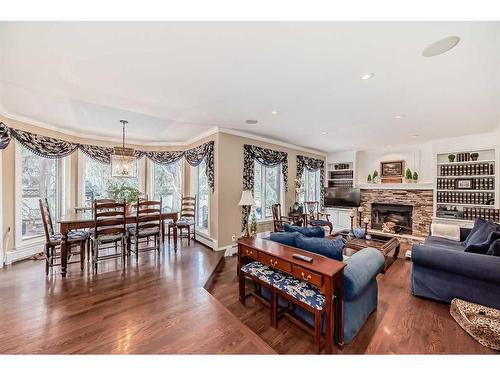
[{"x": 481, "y": 322}]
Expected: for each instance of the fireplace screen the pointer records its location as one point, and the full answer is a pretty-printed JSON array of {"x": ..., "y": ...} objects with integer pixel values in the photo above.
[{"x": 399, "y": 214}]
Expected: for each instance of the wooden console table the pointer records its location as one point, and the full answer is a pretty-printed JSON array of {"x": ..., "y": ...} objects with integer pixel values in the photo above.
[{"x": 328, "y": 276}]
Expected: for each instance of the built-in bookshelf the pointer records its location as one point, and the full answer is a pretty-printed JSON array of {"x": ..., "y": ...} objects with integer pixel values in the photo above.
[
  {"x": 466, "y": 185},
  {"x": 341, "y": 174}
]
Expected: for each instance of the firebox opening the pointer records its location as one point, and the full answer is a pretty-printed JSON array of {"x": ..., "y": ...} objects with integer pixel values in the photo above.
[{"x": 399, "y": 214}]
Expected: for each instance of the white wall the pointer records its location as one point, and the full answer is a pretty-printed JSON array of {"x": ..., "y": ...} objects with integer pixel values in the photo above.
[{"x": 419, "y": 157}]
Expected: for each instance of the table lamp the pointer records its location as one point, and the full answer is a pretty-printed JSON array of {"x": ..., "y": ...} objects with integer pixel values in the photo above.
[{"x": 246, "y": 200}]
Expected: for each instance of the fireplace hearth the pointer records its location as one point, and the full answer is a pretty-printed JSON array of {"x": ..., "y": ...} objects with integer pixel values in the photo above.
[{"x": 399, "y": 214}]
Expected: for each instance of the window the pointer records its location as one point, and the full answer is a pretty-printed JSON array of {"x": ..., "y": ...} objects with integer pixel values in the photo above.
[
  {"x": 266, "y": 190},
  {"x": 98, "y": 180},
  {"x": 312, "y": 186},
  {"x": 167, "y": 184},
  {"x": 202, "y": 197},
  {"x": 39, "y": 180}
]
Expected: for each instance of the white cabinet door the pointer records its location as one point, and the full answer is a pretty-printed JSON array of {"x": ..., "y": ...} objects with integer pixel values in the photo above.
[{"x": 339, "y": 217}]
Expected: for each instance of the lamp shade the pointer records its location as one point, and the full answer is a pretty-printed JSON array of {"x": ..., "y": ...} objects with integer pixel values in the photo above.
[{"x": 246, "y": 198}]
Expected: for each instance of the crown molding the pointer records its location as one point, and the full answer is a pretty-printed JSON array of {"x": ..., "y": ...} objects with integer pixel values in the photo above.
[
  {"x": 130, "y": 141},
  {"x": 135, "y": 142},
  {"x": 271, "y": 140}
]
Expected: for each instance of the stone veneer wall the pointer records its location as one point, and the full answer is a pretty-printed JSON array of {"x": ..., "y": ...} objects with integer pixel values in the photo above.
[{"x": 421, "y": 200}]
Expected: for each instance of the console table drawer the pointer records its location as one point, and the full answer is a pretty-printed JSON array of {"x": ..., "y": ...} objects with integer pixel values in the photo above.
[
  {"x": 251, "y": 253},
  {"x": 275, "y": 262},
  {"x": 304, "y": 274}
]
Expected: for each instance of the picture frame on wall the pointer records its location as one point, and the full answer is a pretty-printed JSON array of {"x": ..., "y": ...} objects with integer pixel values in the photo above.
[
  {"x": 392, "y": 169},
  {"x": 464, "y": 183}
]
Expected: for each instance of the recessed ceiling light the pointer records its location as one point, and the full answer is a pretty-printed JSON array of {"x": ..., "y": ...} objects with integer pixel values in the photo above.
[
  {"x": 441, "y": 46},
  {"x": 274, "y": 112},
  {"x": 398, "y": 117},
  {"x": 414, "y": 136},
  {"x": 367, "y": 76},
  {"x": 251, "y": 122},
  {"x": 324, "y": 133}
]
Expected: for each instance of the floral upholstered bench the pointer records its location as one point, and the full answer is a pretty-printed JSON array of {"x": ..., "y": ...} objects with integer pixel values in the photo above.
[
  {"x": 291, "y": 289},
  {"x": 267, "y": 277}
]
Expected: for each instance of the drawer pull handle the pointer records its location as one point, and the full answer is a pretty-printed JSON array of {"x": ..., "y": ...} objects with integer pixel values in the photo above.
[
  {"x": 308, "y": 277},
  {"x": 273, "y": 262},
  {"x": 249, "y": 252}
]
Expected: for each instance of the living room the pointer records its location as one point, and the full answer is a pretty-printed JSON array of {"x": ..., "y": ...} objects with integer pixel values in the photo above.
[{"x": 274, "y": 186}]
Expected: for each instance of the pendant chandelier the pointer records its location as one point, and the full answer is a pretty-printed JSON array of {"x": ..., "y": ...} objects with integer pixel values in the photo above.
[{"x": 123, "y": 160}]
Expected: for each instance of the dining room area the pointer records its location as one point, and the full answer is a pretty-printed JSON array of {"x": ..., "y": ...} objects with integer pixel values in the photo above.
[{"x": 66, "y": 201}]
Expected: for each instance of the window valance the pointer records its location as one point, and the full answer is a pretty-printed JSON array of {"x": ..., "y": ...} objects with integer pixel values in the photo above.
[
  {"x": 267, "y": 157},
  {"x": 313, "y": 165},
  {"x": 52, "y": 148}
]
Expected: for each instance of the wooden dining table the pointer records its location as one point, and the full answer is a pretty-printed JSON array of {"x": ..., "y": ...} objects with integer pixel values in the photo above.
[{"x": 85, "y": 220}]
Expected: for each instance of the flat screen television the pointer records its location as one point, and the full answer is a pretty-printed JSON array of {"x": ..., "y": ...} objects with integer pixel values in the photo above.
[{"x": 342, "y": 197}]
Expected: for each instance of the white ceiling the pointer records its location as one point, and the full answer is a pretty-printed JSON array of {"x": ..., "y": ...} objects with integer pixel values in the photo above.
[{"x": 176, "y": 80}]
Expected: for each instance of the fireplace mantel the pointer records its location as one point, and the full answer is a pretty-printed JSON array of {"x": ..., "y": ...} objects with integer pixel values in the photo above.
[{"x": 416, "y": 186}]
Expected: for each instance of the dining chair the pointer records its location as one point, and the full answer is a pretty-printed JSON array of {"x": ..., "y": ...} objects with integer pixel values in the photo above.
[
  {"x": 52, "y": 249},
  {"x": 278, "y": 219},
  {"x": 147, "y": 224},
  {"x": 187, "y": 219},
  {"x": 315, "y": 218},
  {"x": 109, "y": 231}
]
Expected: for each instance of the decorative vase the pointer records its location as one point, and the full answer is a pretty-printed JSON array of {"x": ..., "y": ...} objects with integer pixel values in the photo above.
[
  {"x": 451, "y": 158},
  {"x": 359, "y": 232},
  {"x": 474, "y": 156}
]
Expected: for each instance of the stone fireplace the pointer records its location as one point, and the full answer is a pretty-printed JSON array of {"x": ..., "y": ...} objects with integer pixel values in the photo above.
[
  {"x": 415, "y": 224},
  {"x": 399, "y": 214}
]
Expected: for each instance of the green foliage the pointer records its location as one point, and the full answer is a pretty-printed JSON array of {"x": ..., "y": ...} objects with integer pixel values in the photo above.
[
  {"x": 415, "y": 175},
  {"x": 369, "y": 178},
  {"x": 121, "y": 191},
  {"x": 409, "y": 175},
  {"x": 253, "y": 223},
  {"x": 375, "y": 174}
]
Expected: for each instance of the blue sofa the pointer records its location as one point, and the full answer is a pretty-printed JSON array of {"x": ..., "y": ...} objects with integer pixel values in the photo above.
[
  {"x": 360, "y": 283},
  {"x": 443, "y": 270}
]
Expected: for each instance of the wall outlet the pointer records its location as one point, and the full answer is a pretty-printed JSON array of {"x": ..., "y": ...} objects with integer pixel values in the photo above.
[{"x": 233, "y": 238}]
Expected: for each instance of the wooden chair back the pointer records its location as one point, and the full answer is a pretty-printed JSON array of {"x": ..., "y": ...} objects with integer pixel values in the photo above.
[
  {"x": 188, "y": 208},
  {"x": 48, "y": 226},
  {"x": 109, "y": 218},
  {"x": 312, "y": 210},
  {"x": 277, "y": 221},
  {"x": 148, "y": 215}
]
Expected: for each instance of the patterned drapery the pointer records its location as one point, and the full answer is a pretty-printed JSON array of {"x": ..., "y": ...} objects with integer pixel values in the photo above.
[
  {"x": 313, "y": 165},
  {"x": 49, "y": 147},
  {"x": 264, "y": 156}
]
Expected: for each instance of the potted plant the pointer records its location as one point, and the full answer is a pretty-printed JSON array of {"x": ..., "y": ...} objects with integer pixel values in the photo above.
[
  {"x": 451, "y": 158},
  {"x": 474, "y": 156},
  {"x": 375, "y": 176},
  {"x": 408, "y": 176},
  {"x": 123, "y": 192},
  {"x": 253, "y": 224},
  {"x": 369, "y": 178},
  {"x": 415, "y": 176}
]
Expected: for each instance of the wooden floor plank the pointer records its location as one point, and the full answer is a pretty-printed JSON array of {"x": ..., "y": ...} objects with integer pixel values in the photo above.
[
  {"x": 402, "y": 323},
  {"x": 156, "y": 306}
]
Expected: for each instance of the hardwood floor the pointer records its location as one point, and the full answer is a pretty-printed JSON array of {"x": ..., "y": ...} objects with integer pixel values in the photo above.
[
  {"x": 402, "y": 324},
  {"x": 160, "y": 306},
  {"x": 156, "y": 306}
]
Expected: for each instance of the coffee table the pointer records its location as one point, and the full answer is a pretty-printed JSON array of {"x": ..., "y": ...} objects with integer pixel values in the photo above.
[{"x": 385, "y": 244}]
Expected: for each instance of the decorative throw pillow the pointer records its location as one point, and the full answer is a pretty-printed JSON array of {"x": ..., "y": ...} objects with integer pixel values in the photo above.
[
  {"x": 306, "y": 231},
  {"x": 478, "y": 223},
  {"x": 480, "y": 234},
  {"x": 329, "y": 248},
  {"x": 494, "y": 248},
  {"x": 286, "y": 238}
]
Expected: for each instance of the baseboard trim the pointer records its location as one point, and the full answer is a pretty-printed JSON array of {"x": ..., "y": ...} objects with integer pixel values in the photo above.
[{"x": 23, "y": 252}]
